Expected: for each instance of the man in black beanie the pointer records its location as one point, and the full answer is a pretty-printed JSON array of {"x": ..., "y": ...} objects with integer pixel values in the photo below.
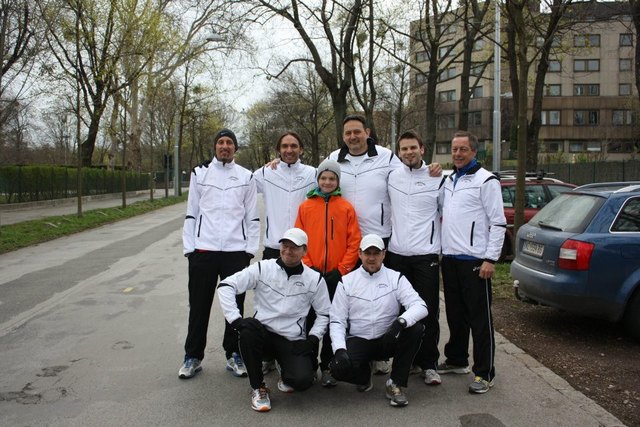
[{"x": 221, "y": 234}]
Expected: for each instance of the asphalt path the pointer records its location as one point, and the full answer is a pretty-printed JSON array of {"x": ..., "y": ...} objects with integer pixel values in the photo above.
[{"x": 92, "y": 328}]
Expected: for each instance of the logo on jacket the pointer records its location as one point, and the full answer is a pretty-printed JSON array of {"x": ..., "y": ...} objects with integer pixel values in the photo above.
[
  {"x": 420, "y": 184},
  {"x": 298, "y": 284},
  {"x": 382, "y": 285},
  {"x": 299, "y": 178},
  {"x": 233, "y": 178}
]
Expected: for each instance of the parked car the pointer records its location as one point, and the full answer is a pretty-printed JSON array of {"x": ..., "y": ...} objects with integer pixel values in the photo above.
[
  {"x": 539, "y": 190},
  {"x": 581, "y": 253}
]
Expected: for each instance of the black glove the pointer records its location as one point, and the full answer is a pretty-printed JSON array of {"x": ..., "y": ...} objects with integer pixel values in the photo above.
[
  {"x": 247, "y": 323},
  {"x": 333, "y": 277},
  {"x": 393, "y": 333},
  {"x": 341, "y": 363},
  {"x": 304, "y": 347}
]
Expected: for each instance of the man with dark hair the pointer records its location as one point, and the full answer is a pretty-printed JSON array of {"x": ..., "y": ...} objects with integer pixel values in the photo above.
[
  {"x": 284, "y": 188},
  {"x": 473, "y": 227},
  {"x": 284, "y": 291},
  {"x": 414, "y": 248},
  {"x": 221, "y": 234}
]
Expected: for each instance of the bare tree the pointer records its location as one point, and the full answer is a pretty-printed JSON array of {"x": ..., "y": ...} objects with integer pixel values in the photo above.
[{"x": 331, "y": 51}]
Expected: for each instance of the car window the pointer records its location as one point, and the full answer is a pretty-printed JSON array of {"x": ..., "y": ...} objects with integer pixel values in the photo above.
[
  {"x": 629, "y": 217},
  {"x": 507, "y": 197},
  {"x": 556, "y": 190},
  {"x": 568, "y": 212},
  {"x": 534, "y": 196}
]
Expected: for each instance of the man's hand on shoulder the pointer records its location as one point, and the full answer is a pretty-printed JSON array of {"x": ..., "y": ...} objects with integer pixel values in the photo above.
[
  {"x": 435, "y": 169},
  {"x": 273, "y": 164}
]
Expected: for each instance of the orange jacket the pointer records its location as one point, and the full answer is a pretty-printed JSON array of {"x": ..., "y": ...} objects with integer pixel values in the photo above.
[{"x": 333, "y": 231}]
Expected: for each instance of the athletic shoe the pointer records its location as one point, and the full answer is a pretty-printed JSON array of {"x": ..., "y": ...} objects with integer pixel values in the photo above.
[
  {"x": 285, "y": 388},
  {"x": 327, "y": 379},
  {"x": 268, "y": 366},
  {"x": 190, "y": 367},
  {"x": 236, "y": 366},
  {"x": 431, "y": 377},
  {"x": 480, "y": 385},
  {"x": 445, "y": 368},
  {"x": 415, "y": 369},
  {"x": 368, "y": 386},
  {"x": 396, "y": 396},
  {"x": 260, "y": 399},
  {"x": 381, "y": 367}
]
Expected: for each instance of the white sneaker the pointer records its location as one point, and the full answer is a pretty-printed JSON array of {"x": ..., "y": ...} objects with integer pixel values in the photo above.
[
  {"x": 190, "y": 367},
  {"x": 431, "y": 377},
  {"x": 285, "y": 388},
  {"x": 260, "y": 399},
  {"x": 236, "y": 366},
  {"x": 381, "y": 367}
]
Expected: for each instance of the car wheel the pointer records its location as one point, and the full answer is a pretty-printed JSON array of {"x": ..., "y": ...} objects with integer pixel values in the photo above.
[{"x": 632, "y": 316}]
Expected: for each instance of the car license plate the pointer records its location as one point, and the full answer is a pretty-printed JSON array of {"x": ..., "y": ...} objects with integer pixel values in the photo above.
[{"x": 533, "y": 248}]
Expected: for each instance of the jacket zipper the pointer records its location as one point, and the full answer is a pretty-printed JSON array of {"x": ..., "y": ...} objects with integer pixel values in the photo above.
[
  {"x": 473, "y": 226},
  {"x": 244, "y": 237},
  {"x": 381, "y": 214},
  {"x": 433, "y": 228},
  {"x": 199, "y": 225},
  {"x": 267, "y": 230},
  {"x": 332, "y": 235},
  {"x": 326, "y": 234}
]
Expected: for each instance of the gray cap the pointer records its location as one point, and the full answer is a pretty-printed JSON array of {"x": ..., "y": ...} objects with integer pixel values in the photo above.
[{"x": 329, "y": 165}]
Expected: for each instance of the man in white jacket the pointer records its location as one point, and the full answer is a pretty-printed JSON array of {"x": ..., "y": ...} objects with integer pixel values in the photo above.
[
  {"x": 366, "y": 323},
  {"x": 283, "y": 186},
  {"x": 414, "y": 248},
  {"x": 221, "y": 234},
  {"x": 284, "y": 291},
  {"x": 473, "y": 227}
]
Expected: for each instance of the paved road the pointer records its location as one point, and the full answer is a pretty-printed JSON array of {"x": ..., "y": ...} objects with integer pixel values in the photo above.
[{"x": 91, "y": 333}]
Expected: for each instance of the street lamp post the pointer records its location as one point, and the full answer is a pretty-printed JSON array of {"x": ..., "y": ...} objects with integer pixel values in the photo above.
[{"x": 497, "y": 151}]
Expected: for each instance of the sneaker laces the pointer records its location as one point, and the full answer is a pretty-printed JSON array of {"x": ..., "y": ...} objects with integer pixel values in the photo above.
[
  {"x": 394, "y": 389},
  {"x": 263, "y": 391},
  {"x": 238, "y": 360},
  {"x": 189, "y": 362}
]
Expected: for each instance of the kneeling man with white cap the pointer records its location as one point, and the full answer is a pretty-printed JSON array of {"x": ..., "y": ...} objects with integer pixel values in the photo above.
[
  {"x": 366, "y": 324},
  {"x": 284, "y": 291}
]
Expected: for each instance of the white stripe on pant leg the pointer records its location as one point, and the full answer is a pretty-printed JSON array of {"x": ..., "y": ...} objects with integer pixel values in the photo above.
[{"x": 491, "y": 337}]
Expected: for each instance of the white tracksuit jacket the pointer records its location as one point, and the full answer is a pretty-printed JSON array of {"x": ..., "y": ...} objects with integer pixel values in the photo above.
[
  {"x": 222, "y": 214},
  {"x": 416, "y": 198},
  {"x": 281, "y": 303},
  {"x": 284, "y": 189},
  {"x": 365, "y": 187},
  {"x": 473, "y": 221},
  {"x": 365, "y": 305}
]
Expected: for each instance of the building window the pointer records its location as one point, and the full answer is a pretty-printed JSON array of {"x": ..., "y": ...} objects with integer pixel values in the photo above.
[
  {"x": 586, "y": 65},
  {"x": 590, "y": 146},
  {"x": 447, "y": 95},
  {"x": 586, "y": 90},
  {"x": 478, "y": 45},
  {"x": 551, "y": 147},
  {"x": 447, "y": 121},
  {"x": 553, "y": 90},
  {"x": 447, "y": 74},
  {"x": 476, "y": 69},
  {"x": 626, "y": 39},
  {"x": 550, "y": 117},
  {"x": 586, "y": 40},
  {"x": 621, "y": 147},
  {"x": 554, "y": 66},
  {"x": 557, "y": 41},
  {"x": 446, "y": 51},
  {"x": 443, "y": 148},
  {"x": 422, "y": 56},
  {"x": 624, "y": 89},
  {"x": 421, "y": 79},
  {"x": 586, "y": 117},
  {"x": 446, "y": 28},
  {"x": 477, "y": 92},
  {"x": 623, "y": 117},
  {"x": 475, "y": 118},
  {"x": 576, "y": 147},
  {"x": 625, "y": 64}
]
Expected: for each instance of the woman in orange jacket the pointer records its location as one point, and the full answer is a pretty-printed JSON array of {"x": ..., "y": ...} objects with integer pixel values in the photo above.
[{"x": 334, "y": 235}]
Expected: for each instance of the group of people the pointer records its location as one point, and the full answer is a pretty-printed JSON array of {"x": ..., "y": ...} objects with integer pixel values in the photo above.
[{"x": 367, "y": 299}]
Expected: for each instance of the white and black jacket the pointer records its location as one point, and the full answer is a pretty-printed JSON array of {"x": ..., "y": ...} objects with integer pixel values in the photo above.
[
  {"x": 473, "y": 221},
  {"x": 284, "y": 188},
  {"x": 416, "y": 199},
  {"x": 365, "y": 305},
  {"x": 365, "y": 187},
  {"x": 281, "y": 302},
  {"x": 221, "y": 209}
]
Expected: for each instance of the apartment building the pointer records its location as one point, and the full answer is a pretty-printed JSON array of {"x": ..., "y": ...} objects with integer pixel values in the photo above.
[{"x": 590, "y": 108}]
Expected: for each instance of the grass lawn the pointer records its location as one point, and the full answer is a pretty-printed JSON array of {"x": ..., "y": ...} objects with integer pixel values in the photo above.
[{"x": 23, "y": 234}]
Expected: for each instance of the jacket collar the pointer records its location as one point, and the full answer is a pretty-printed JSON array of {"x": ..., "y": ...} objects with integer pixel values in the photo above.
[
  {"x": 371, "y": 150},
  {"x": 217, "y": 163},
  {"x": 423, "y": 165}
]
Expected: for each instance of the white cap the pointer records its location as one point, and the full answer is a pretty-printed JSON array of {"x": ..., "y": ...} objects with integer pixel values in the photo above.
[
  {"x": 371, "y": 240},
  {"x": 296, "y": 235}
]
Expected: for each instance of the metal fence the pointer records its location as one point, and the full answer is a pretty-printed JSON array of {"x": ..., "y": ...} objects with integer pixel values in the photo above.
[
  {"x": 20, "y": 184},
  {"x": 586, "y": 173}
]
